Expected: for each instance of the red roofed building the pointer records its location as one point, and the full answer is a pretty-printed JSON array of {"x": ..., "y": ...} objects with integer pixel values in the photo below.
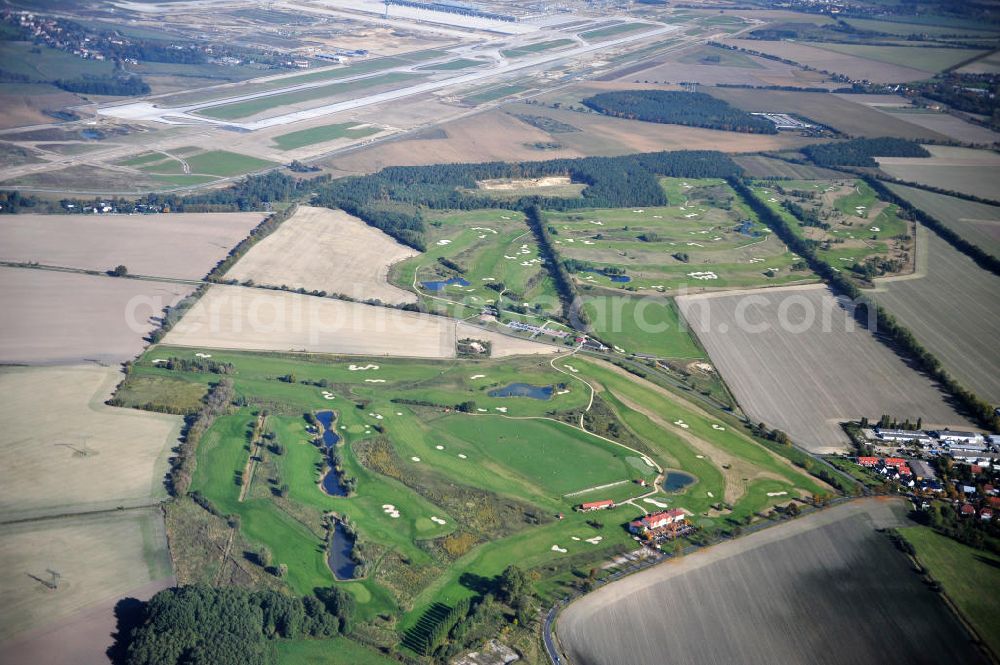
[
  {"x": 657, "y": 521},
  {"x": 967, "y": 510},
  {"x": 867, "y": 461},
  {"x": 904, "y": 470},
  {"x": 976, "y": 469},
  {"x": 994, "y": 501},
  {"x": 986, "y": 514},
  {"x": 597, "y": 505},
  {"x": 895, "y": 461}
]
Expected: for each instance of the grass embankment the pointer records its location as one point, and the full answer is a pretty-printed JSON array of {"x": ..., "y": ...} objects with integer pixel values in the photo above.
[{"x": 970, "y": 577}]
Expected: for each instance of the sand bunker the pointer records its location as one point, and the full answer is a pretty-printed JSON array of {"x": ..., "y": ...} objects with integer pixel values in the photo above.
[
  {"x": 556, "y": 548},
  {"x": 654, "y": 502},
  {"x": 437, "y": 520},
  {"x": 390, "y": 510}
]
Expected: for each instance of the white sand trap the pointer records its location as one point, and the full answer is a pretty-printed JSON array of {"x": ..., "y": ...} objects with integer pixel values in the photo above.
[
  {"x": 461, "y": 456},
  {"x": 595, "y": 540},
  {"x": 477, "y": 376},
  {"x": 562, "y": 392},
  {"x": 399, "y": 413},
  {"x": 700, "y": 456},
  {"x": 681, "y": 424},
  {"x": 777, "y": 493},
  {"x": 874, "y": 229},
  {"x": 437, "y": 520},
  {"x": 328, "y": 397},
  {"x": 374, "y": 380},
  {"x": 388, "y": 507},
  {"x": 718, "y": 427},
  {"x": 444, "y": 241},
  {"x": 361, "y": 368},
  {"x": 571, "y": 368},
  {"x": 203, "y": 355},
  {"x": 483, "y": 410},
  {"x": 556, "y": 548},
  {"x": 486, "y": 229},
  {"x": 439, "y": 447},
  {"x": 710, "y": 495},
  {"x": 502, "y": 409},
  {"x": 510, "y": 258},
  {"x": 703, "y": 275},
  {"x": 594, "y": 221},
  {"x": 654, "y": 502},
  {"x": 489, "y": 279},
  {"x": 343, "y": 427},
  {"x": 378, "y": 416},
  {"x": 415, "y": 458},
  {"x": 695, "y": 244},
  {"x": 157, "y": 361},
  {"x": 575, "y": 538}
]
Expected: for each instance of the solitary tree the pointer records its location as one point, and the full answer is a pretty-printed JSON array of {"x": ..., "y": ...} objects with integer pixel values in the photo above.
[{"x": 119, "y": 271}]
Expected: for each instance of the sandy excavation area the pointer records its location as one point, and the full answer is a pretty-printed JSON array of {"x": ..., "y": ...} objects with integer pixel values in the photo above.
[
  {"x": 62, "y": 450},
  {"x": 182, "y": 245},
  {"x": 54, "y": 318},
  {"x": 319, "y": 249},
  {"x": 795, "y": 360},
  {"x": 231, "y": 317},
  {"x": 744, "y": 601}
]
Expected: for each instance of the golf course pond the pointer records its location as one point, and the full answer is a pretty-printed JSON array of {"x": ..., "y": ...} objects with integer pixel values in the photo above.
[
  {"x": 340, "y": 558},
  {"x": 677, "y": 480},
  {"x": 522, "y": 390},
  {"x": 440, "y": 285},
  {"x": 331, "y": 480}
]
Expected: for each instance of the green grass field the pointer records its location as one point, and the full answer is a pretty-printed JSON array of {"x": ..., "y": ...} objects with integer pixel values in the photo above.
[
  {"x": 224, "y": 163},
  {"x": 48, "y": 63},
  {"x": 708, "y": 55},
  {"x": 613, "y": 30},
  {"x": 491, "y": 94},
  {"x": 452, "y": 65},
  {"x": 251, "y": 107},
  {"x": 970, "y": 578},
  {"x": 649, "y": 325},
  {"x": 323, "y": 134},
  {"x": 339, "y": 651},
  {"x": 538, "y": 47}
]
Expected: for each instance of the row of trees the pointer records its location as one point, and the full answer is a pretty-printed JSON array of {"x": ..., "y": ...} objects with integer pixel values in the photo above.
[
  {"x": 862, "y": 152},
  {"x": 694, "y": 109},
  {"x": 124, "y": 85},
  {"x": 572, "y": 308},
  {"x": 888, "y": 327},
  {"x": 202, "y": 625}
]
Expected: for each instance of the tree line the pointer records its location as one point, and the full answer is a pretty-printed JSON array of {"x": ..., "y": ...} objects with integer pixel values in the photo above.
[
  {"x": 693, "y": 109},
  {"x": 202, "y": 625},
  {"x": 862, "y": 152}
]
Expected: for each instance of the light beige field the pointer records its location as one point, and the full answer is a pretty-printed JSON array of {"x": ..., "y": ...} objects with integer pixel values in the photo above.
[
  {"x": 319, "y": 249},
  {"x": 63, "y": 451},
  {"x": 987, "y": 65},
  {"x": 99, "y": 558},
  {"x": 505, "y": 345},
  {"x": 839, "y": 63},
  {"x": 949, "y": 125},
  {"x": 181, "y": 245},
  {"x": 965, "y": 170},
  {"x": 795, "y": 360},
  {"x": 54, "y": 318},
  {"x": 228, "y": 317}
]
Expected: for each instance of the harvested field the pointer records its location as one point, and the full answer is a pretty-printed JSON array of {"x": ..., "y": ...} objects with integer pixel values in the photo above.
[
  {"x": 947, "y": 124},
  {"x": 855, "y": 119},
  {"x": 234, "y": 318},
  {"x": 61, "y": 318},
  {"x": 794, "y": 360},
  {"x": 732, "y": 69},
  {"x": 854, "y": 66},
  {"x": 955, "y": 169},
  {"x": 952, "y": 310},
  {"x": 988, "y": 65},
  {"x": 334, "y": 252},
  {"x": 505, "y": 345},
  {"x": 744, "y": 602},
  {"x": 929, "y": 59},
  {"x": 759, "y": 166},
  {"x": 98, "y": 558},
  {"x": 976, "y": 222},
  {"x": 182, "y": 245},
  {"x": 55, "y": 419}
]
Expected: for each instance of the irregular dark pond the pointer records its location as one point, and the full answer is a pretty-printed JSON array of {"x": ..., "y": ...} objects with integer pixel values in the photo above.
[
  {"x": 339, "y": 557},
  {"x": 441, "y": 284},
  {"x": 522, "y": 390},
  {"x": 621, "y": 279},
  {"x": 677, "y": 480},
  {"x": 331, "y": 480}
]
